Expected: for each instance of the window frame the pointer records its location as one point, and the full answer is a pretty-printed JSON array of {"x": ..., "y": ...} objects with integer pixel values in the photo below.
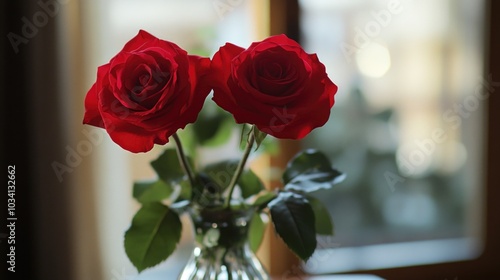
[
  {"x": 285, "y": 18},
  {"x": 486, "y": 265}
]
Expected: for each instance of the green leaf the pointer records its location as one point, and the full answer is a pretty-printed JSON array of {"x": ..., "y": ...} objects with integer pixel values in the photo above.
[
  {"x": 245, "y": 132},
  {"x": 151, "y": 191},
  {"x": 314, "y": 181},
  {"x": 266, "y": 144},
  {"x": 259, "y": 136},
  {"x": 213, "y": 132},
  {"x": 153, "y": 235},
  {"x": 310, "y": 171},
  {"x": 307, "y": 161},
  {"x": 186, "y": 190},
  {"x": 322, "y": 218},
  {"x": 213, "y": 127},
  {"x": 221, "y": 172},
  {"x": 293, "y": 219},
  {"x": 206, "y": 190},
  {"x": 249, "y": 183},
  {"x": 167, "y": 166},
  {"x": 256, "y": 232},
  {"x": 263, "y": 198}
]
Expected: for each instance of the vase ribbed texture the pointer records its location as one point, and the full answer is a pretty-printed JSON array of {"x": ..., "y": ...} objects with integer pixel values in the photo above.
[{"x": 221, "y": 247}]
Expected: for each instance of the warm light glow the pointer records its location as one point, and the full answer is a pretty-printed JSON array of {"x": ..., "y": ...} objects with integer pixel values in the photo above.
[{"x": 373, "y": 60}]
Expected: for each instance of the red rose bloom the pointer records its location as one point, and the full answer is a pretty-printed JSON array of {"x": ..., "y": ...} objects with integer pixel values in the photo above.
[
  {"x": 274, "y": 85},
  {"x": 148, "y": 91}
]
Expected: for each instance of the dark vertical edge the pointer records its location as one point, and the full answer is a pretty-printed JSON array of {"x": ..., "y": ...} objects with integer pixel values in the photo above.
[
  {"x": 16, "y": 146},
  {"x": 50, "y": 196},
  {"x": 492, "y": 250},
  {"x": 285, "y": 18},
  {"x": 32, "y": 139}
]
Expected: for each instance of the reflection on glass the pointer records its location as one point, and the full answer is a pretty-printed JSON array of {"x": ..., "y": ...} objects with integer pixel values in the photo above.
[{"x": 406, "y": 129}]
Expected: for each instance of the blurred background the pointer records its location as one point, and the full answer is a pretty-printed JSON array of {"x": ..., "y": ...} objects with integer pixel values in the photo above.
[{"x": 412, "y": 127}]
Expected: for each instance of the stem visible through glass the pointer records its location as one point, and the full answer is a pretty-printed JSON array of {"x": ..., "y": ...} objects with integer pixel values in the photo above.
[{"x": 240, "y": 167}]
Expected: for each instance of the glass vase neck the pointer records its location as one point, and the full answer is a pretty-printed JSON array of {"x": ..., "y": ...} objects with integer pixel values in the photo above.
[{"x": 221, "y": 246}]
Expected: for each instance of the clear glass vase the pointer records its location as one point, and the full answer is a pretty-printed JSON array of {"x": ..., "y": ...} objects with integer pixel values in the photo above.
[{"x": 221, "y": 247}]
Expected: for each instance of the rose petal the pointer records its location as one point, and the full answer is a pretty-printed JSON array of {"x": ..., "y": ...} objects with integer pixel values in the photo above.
[
  {"x": 92, "y": 115},
  {"x": 133, "y": 140},
  {"x": 221, "y": 70},
  {"x": 138, "y": 41}
]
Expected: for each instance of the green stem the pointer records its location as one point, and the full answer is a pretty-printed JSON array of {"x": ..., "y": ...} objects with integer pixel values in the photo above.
[
  {"x": 183, "y": 160},
  {"x": 240, "y": 167}
]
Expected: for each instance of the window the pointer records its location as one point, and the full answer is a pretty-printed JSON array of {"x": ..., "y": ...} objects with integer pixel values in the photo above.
[{"x": 407, "y": 128}]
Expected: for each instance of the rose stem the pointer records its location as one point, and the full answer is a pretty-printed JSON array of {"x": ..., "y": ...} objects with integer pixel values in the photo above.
[
  {"x": 239, "y": 168},
  {"x": 183, "y": 160}
]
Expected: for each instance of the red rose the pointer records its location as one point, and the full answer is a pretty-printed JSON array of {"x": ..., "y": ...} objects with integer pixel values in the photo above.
[
  {"x": 274, "y": 85},
  {"x": 148, "y": 91}
]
